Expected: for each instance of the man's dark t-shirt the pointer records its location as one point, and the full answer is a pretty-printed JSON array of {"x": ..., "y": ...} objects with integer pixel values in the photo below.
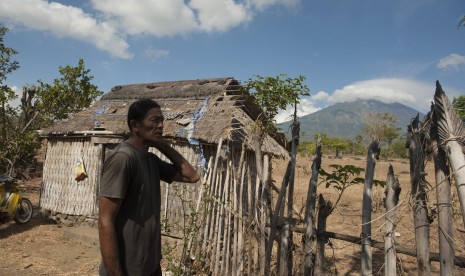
[{"x": 135, "y": 177}]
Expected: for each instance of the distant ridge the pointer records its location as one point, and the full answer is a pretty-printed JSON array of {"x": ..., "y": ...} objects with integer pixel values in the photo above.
[{"x": 346, "y": 120}]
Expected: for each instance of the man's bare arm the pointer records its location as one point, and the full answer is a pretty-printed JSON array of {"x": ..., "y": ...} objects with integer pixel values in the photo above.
[
  {"x": 186, "y": 173},
  {"x": 108, "y": 210}
]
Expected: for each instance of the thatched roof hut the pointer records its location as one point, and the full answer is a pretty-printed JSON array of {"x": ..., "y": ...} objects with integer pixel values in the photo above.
[{"x": 198, "y": 114}]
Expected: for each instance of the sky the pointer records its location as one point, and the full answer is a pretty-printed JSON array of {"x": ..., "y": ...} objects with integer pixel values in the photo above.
[{"x": 392, "y": 51}]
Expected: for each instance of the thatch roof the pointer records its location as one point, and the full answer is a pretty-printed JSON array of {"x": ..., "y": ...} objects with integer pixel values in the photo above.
[{"x": 205, "y": 110}]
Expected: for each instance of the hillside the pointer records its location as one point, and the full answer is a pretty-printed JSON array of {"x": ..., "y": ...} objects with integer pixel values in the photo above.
[{"x": 346, "y": 120}]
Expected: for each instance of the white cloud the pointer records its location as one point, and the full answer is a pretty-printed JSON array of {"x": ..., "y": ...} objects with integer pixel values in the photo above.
[
  {"x": 263, "y": 4},
  {"x": 113, "y": 20},
  {"x": 306, "y": 106},
  {"x": 412, "y": 93},
  {"x": 220, "y": 15},
  {"x": 454, "y": 61},
  {"x": 320, "y": 96},
  {"x": 158, "y": 18},
  {"x": 65, "y": 21},
  {"x": 156, "y": 54},
  {"x": 16, "y": 102}
]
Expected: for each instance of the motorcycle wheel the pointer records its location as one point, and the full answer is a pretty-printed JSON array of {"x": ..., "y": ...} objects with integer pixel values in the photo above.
[{"x": 23, "y": 211}]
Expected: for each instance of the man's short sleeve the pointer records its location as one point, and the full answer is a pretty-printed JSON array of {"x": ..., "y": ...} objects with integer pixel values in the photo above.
[
  {"x": 116, "y": 176},
  {"x": 167, "y": 170}
]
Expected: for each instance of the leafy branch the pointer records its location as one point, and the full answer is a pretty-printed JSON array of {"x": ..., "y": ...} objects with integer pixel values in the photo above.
[{"x": 342, "y": 177}]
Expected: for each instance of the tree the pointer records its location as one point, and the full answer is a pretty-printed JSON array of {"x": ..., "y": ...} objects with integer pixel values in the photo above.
[
  {"x": 398, "y": 149},
  {"x": 7, "y": 113},
  {"x": 333, "y": 144},
  {"x": 382, "y": 127},
  {"x": 7, "y": 66},
  {"x": 459, "y": 104},
  {"x": 273, "y": 94},
  {"x": 41, "y": 106},
  {"x": 67, "y": 95}
]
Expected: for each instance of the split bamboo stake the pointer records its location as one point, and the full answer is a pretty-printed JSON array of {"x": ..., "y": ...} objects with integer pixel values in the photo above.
[
  {"x": 240, "y": 221},
  {"x": 214, "y": 221},
  {"x": 249, "y": 232},
  {"x": 263, "y": 213},
  {"x": 219, "y": 221},
  {"x": 210, "y": 205},
  {"x": 226, "y": 259}
]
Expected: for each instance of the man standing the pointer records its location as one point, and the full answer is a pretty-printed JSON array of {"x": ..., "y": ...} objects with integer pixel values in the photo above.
[{"x": 129, "y": 204}]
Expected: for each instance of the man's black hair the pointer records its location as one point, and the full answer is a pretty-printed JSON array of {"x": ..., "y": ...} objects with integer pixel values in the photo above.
[{"x": 138, "y": 109}]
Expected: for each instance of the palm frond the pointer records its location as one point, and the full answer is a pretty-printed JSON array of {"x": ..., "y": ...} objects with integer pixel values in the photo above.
[{"x": 448, "y": 122}]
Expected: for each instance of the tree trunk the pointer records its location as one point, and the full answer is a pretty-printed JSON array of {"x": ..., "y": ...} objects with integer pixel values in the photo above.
[
  {"x": 392, "y": 198},
  {"x": 310, "y": 231},
  {"x": 373, "y": 155}
]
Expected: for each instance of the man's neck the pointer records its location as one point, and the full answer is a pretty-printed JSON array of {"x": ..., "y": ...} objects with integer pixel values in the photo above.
[{"x": 138, "y": 144}]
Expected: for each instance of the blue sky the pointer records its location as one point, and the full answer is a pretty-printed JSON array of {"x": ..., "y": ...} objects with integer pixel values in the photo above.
[{"x": 393, "y": 51}]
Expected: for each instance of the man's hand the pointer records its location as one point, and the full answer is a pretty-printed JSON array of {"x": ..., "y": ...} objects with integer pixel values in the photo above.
[{"x": 186, "y": 173}]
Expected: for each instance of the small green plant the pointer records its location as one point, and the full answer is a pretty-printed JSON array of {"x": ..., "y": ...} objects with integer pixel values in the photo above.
[
  {"x": 172, "y": 265},
  {"x": 342, "y": 177},
  {"x": 179, "y": 257}
]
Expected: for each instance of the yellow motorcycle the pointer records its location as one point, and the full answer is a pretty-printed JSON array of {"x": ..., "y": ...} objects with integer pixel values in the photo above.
[{"x": 12, "y": 204}]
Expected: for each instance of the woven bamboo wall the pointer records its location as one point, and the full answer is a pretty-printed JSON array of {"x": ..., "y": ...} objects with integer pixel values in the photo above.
[{"x": 60, "y": 191}]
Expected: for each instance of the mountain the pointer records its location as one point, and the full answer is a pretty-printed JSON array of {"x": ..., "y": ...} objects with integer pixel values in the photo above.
[{"x": 346, "y": 120}]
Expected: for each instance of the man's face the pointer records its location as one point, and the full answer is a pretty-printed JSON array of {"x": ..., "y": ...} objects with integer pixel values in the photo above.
[{"x": 151, "y": 127}]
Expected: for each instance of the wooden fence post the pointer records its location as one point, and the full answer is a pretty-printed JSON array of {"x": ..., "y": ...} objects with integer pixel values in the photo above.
[
  {"x": 310, "y": 229},
  {"x": 324, "y": 210},
  {"x": 445, "y": 221},
  {"x": 451, "y": 132},
  {"x": 286, "y": 234},
  {"x": 373, "y": 155},
  {"x": 274, "y": 220},
  {"x": 418, "y": 195},
  {"x": 443, "y": 194},
  {"x": 392, "y": 193}
]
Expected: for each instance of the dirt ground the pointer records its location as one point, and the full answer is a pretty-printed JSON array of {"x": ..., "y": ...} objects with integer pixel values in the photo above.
[
  {"x": 344, "y": 257},
  {"x": 42, "y": 247}
]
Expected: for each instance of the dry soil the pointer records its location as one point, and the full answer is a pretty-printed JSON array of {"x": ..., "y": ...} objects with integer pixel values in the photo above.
[{"x": 42, "y": 247}]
